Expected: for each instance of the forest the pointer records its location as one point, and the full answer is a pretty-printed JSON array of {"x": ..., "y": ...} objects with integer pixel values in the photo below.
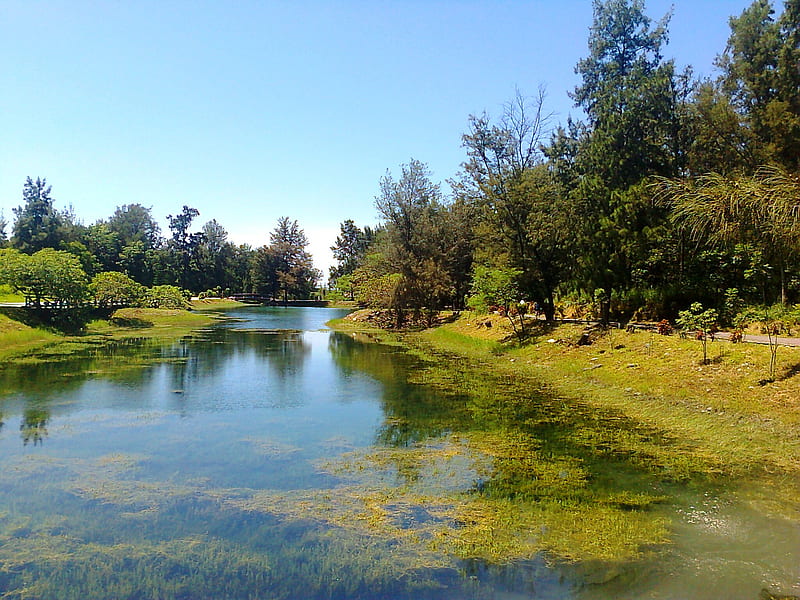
[{"x": 671, "y": 192}]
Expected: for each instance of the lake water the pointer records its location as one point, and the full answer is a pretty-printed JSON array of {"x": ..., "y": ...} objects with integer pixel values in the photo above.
[{"x": 268, "y": 457}]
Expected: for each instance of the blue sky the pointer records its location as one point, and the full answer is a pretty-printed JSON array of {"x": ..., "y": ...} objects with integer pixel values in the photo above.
[{"x": 249, "y": 111}]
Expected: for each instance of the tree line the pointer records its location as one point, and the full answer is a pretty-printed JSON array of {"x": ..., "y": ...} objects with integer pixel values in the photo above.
[
  {"x": 52, "y": 257},
  {"x": 672, "y": 190}
]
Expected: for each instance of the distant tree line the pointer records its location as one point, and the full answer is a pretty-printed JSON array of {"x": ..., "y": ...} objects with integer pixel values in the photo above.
[
  {"x": 129, "y": 243},
  {"x": 672, "y": 189}
]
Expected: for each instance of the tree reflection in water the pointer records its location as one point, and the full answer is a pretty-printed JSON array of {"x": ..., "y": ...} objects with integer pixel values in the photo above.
[{"x": 33, "y": 427}]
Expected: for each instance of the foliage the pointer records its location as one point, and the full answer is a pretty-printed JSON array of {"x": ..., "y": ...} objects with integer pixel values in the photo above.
[
  {"x": 47, "y": 277},
  {"x": 350, "y": 248},
  {"x": 670, "y": 190},
  {"x": 284, "y": 269},
  {"x": 702, "y": 322},
  {"x": 38, "y": 224},
  {"x": 426, "y": 242},
  {"x": 112, "y": 288},
  {"x": 760, "y": 75},
  {"x": 760, "y": 210},
  {"x": 492, "y": 287},
  {"x": 522, "y": 210},
  {"x": 376, "y": 291},
  {"x": 166, "y": 296}
]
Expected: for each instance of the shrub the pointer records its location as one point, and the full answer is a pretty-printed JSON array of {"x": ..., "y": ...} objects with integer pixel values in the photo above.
[
  {"x": 115, "y": 289},
  {"x": 703, "y": 322},
  {"x": 166, "y": 296}
]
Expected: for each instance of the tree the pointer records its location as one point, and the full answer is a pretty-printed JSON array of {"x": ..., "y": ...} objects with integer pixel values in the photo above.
[
  {"x": 349, "y": 249},
  {"x": 761, "y": 211},
  {"x": 264, "y": 272},
  {"x": 134, "y": 223},
  {"x": 522, "y": 212},
  {"x": 115, "y": 289},
  {"x": 521, "y": 207},
  {"x": 37, "y": 223},
  {"x": 719, "y": 139},
  {"x": 285, "y": 268},
  {"x": 498, "y": 288},
  {"x": 629, "y": 94},
  {"x": 103, "y": 243},
  {"x": 166, "y": 296},
  {"x": 182, "y": 248},
  {"x": 215, "y": 259},
  {"x": 3, "y": 235},
  {"x": 415, "y": 245},
  {"x": 130, "y": 241},
  {"x": 702, "y": 322},
  {"x": 760, "y": 75},
  {"x": 47, "y": 277}
]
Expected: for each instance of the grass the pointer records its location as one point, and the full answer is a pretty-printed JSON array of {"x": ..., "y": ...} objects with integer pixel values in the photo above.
[
  {"x": 20, "y": 342},
  {"x": 17, "y": 338},
  {"x": 7, "y": 294},
  {"x": 215, "y": 304},
  {"x": 723, "y": 409}
]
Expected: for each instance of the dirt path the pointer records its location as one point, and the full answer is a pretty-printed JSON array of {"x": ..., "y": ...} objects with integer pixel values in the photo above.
[{"x": 760, "y": 339}]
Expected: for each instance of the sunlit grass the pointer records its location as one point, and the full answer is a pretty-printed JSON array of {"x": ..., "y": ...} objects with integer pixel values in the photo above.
[
  {"x": 16, "y": 337},
  {"x": 7, "y": 294},
  {"x": 723, "y": 411},
  {"x": 21, "y": 343},
  {"x": 215, "y": 304}
]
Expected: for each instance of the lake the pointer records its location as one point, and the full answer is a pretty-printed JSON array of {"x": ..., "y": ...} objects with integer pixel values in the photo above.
[{"x": 269, "y": 457}]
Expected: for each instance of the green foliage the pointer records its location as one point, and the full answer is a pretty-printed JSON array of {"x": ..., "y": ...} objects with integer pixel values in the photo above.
[
  {"x": 166, "y": 296},
  {"x": 522, "y": 210},
  {"x": 376, "y": 292},
  {"x": 702, "y": 322},
  {"x": 350, "y": 248},
  {"x": 115, "y": 289},
  {"x": 761, "y": 78},
  {"x": 38, "y": 224},
  {"x": 48, "y": 277},
  {"x": 492, "y": 287},
  {"x": 732, "y": 307}
]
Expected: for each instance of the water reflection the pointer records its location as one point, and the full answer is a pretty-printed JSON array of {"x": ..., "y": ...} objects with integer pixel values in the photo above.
[
  {"x": 413, "y": 412},
  {"x": 141, "y": 373},
  {"x": 33, "y": 427}
]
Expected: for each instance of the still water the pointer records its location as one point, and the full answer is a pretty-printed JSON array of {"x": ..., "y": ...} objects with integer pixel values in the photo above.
[{"x": 268, "y": 457}]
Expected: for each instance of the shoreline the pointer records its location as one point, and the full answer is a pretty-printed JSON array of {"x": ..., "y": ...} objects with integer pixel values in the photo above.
[
  {"x": 23, "y": 343},
  {"x": 725, "y": 416}
]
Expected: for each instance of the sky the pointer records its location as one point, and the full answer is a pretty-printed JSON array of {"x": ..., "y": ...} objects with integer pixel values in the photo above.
[{"x": 254, "y": 110}]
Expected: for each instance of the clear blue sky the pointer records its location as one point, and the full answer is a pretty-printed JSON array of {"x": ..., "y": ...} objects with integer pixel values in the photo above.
[{"x": 249, "y": 111}]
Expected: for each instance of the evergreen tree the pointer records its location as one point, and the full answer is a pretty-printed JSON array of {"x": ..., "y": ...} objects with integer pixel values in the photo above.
[
  {"x": 38, "y": 224},
  {"x": 285, "y": 269},
  {"x": 630, "y": 95}
]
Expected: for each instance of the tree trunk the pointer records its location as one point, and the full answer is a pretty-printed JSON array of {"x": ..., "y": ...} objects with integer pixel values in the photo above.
[{"x": 549, "y": 308}]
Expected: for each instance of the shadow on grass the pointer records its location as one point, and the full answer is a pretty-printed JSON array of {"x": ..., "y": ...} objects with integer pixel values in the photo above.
[
  {"x": 790, "y": 372},
  {"x": 131, "y": 322},
  {"x": 70, "y": 321}
]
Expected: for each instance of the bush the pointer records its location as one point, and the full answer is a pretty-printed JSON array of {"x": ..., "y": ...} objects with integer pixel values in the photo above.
[
  {"x": 115, "y": 289},
  {"x": 166, "y": 296}
]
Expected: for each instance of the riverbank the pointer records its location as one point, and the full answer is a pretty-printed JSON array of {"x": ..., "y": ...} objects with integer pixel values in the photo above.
[
  {"x": 721, "y": 418},
  {"x": 20, "y": 342}
]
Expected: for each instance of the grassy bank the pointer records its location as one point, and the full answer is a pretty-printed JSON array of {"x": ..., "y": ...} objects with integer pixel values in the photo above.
[
  {"x": 724, "y": 416},
  {"x": 24, "y": 342},
  {"x": 724, "y": 410},
  {"x": 215, "y": 304}
]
